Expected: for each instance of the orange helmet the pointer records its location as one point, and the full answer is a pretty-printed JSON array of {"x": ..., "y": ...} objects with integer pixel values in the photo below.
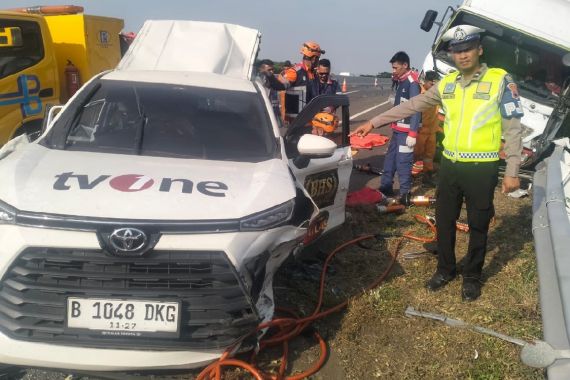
[
  {"x": 311, "y": 49},
  {"x": 326, "y": 121}
]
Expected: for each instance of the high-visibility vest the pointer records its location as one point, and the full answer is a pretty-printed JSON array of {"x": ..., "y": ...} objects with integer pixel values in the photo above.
[{"x": 472, "y": 123}]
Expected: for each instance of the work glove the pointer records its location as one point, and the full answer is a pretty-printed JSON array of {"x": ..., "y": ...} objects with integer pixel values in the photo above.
[{"x": 410, "y": 142}]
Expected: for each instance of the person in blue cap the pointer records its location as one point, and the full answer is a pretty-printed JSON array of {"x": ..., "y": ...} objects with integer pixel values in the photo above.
[{"x": 481, "y": 104}]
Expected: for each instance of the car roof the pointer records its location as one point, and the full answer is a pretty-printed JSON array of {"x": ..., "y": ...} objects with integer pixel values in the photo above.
[
  {"x": 196, "y": 46},
  {"x": 183, "y": 78}
]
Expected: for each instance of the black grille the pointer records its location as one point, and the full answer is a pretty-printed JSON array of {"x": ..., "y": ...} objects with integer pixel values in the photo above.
[{"x": 215, "y": 311}]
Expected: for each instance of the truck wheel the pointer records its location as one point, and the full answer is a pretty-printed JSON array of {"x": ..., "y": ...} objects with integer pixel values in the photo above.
[{"x": 32, "y": 129}]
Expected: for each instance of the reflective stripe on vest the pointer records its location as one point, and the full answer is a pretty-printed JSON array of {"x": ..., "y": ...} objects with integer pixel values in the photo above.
[{"x": 472, "y": 123}]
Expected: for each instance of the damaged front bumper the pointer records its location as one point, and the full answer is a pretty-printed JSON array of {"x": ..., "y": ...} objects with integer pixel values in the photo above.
[{"x": 223, "y": 283}]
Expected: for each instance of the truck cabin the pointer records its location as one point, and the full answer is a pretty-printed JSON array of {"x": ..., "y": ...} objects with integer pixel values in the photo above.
[{"x": 536, "y": 65}]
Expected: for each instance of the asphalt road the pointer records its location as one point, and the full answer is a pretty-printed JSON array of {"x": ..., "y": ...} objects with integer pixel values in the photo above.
[{"x": 366, "y": 101}]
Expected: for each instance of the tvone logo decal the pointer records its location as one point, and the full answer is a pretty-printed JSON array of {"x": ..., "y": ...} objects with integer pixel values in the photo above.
[{"x": 129, "y": 183}]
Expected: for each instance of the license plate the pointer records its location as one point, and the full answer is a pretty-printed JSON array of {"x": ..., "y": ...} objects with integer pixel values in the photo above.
[{"x": 123, "y": 317}]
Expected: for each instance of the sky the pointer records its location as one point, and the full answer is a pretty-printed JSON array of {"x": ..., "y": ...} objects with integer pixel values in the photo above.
[{"x": 359, "y": 36}]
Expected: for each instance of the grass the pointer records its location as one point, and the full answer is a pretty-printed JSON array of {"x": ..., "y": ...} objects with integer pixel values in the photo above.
[{"x": 379, "y": 340}]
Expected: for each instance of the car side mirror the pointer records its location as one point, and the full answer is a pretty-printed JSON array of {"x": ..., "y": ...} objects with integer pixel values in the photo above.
[
  {"x": 316, "y": 146},
  {"x": 313, "y": 146},
  {"x": 429, "y": 20}
]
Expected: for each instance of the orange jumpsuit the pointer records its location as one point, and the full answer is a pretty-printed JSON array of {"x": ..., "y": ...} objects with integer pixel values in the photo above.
[{"x": 425, "y": 144}]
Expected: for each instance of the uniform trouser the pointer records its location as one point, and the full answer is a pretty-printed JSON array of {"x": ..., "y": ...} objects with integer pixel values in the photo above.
[
  {"x": 476, "y": 182},
  {"x": 425, "y": 148},
  {"x": 399, "y": 158}
]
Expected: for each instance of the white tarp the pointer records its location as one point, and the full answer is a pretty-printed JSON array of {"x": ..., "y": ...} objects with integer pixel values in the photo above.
[{"x": 195, "y": 46}]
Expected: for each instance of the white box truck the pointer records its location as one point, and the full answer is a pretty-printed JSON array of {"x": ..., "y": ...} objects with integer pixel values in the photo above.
[{"x": 527, "y": 38}]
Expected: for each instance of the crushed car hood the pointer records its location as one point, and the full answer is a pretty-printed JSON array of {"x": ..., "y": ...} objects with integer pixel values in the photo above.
[
  {"x": 196, "y": 46},
  {"x": 39, "y": 179}
]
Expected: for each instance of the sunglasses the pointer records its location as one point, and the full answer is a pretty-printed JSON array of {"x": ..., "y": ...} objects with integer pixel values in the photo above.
[{"x": 323, "y": 74}]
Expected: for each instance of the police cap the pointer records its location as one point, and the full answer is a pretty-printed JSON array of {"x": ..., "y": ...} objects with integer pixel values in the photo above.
[{"x": 462, "y": 37}]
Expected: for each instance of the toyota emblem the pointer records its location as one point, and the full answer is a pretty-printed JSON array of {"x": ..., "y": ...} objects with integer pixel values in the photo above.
[{"x": 128, "y": 239}]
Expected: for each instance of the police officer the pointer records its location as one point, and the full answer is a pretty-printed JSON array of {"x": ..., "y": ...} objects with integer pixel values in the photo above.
[{"x": 480, "y": 105}]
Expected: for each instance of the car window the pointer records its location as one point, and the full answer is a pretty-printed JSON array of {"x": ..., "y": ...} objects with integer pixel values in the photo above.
[
  {"x": 173, "y": 121},
  {"x": 14, "y": 59}
]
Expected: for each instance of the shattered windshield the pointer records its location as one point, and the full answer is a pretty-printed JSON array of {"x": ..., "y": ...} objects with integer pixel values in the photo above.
[
  {"x": 173, "y": 121},
  {"x": 535, "y": 65}
]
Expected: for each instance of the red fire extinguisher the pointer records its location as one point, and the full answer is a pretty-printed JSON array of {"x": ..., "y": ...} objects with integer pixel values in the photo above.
[{"x": 72, "y": 79}]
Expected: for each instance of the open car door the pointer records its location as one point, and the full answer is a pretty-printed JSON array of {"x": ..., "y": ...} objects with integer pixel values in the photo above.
[{"x": 325, "y": 179}]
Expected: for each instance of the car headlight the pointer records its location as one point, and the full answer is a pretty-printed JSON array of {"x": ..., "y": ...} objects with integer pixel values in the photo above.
[
  {"x": 269, "y": 218},
  {"x": 7, "y": 214}
]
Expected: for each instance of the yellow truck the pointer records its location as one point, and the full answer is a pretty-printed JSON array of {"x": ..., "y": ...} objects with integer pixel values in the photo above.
[{"x": 46, "y": 53}]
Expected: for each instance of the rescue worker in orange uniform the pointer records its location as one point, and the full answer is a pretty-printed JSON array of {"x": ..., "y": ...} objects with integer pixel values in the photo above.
[
  {"x": 296, "y": 80},
  {"x": 424, "y": 151}
]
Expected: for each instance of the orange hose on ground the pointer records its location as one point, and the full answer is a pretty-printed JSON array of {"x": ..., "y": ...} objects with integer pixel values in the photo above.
[
  {"x": 315, "y": 368},
  {"x": 463, "y": 227},
  {"x": 292, "y": 327},
  {"x": 431, "y": 226},
  {"x": 216, "y": 369}
]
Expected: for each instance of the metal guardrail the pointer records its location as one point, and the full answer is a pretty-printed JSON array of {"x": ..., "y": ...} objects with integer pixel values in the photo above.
[{"x": 551, "y": 230}]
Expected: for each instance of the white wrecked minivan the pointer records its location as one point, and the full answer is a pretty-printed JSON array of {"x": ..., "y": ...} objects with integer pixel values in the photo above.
[
  {"x": 143, "y": 228},
  {"x": 530, "y": 40}
]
